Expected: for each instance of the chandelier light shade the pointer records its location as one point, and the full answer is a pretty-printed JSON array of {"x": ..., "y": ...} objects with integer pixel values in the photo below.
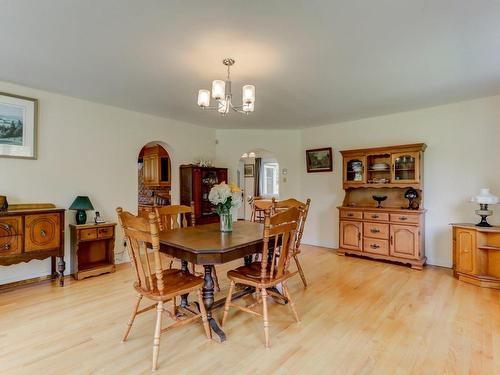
[
  {"x": 221, "y": 92},
  {"x": 203, "y": 98}
]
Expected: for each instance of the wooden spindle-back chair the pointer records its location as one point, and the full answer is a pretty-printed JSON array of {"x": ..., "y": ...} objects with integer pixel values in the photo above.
[
  {"x": 304, "y": 210},
  {"x": 259, "y": 206},
  {"x": 279, "y": 232},
  {"x": 153, "y": 280},
  {"x": 180, "y": 216}
]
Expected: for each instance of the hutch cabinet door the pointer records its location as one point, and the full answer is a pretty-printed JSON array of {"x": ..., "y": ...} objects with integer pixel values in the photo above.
[
  {"x": 405, "y": 167},
  {"x": 465, "y": 244},
  {"x": 355, "y": 170},
  {"x": 350, "y": 235},
  {"x": 405, "y": 241},
  {"x": 150, "y": 174}
]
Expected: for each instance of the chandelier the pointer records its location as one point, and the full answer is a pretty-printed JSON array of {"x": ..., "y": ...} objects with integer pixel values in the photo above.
[{"x": 221, "y": 92}]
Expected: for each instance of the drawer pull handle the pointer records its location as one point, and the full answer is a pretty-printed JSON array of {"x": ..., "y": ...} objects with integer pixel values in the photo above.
[
  {"x": 350, "y": 214},
  {"x": 43, "y": 233},
  {"x": 403, "y": 218},
  {"x": 374, "y": 246},
  {"x": 6, "y": 226},
  {"x": 6, "y": 246},
  {"x": 375, "y": 230},
  {"x": 375, "y": 216}
]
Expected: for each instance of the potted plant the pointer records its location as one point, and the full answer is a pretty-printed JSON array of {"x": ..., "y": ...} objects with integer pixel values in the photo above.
[{"x": 225, "y": 197}]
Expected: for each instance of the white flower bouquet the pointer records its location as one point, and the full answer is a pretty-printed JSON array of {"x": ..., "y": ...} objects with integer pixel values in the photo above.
[{"x": 225, "y": 197}]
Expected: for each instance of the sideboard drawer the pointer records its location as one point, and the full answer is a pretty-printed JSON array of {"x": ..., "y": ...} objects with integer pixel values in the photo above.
[
  {"x": 376, "y": 216},
  {"x": 106, "y": 232},
  {"x": 351, "y": 214},
  {"x": 405, "y": 218},
  {"x": 87, "y": 234},
  {"x": 42, "y": 232},
  {"x": 10, "y": 226},
  {"x": 376, "y": 246},
  {"x": 10, "y": 245},
  {"x": 376, "y": 230}
]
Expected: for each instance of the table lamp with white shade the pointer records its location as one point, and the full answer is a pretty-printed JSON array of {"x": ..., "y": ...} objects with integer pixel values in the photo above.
[{"x": 484, "y": 198}]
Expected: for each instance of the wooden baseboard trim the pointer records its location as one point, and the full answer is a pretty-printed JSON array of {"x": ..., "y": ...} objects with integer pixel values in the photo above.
[{"x": 34, "y": 280}]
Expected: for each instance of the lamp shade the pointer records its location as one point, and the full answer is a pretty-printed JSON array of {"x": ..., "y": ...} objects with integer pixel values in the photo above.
[
  {"x": 248, "y": 94},
  {"x": 203, "y": 98},
  {"x": 81, "y": 203},
  {"x": 485, "y": 197},
  {"x": 218, "y": 89}
]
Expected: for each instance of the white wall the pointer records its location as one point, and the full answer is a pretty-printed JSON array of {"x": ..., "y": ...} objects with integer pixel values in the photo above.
[
  {"x": 91, "y": 149},
  {"x": 463, "y": 154}
]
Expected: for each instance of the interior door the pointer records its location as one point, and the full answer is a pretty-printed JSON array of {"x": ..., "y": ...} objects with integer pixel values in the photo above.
[
  {"x": 404, "y": 241},
  {"x": 350, "y": 235}
]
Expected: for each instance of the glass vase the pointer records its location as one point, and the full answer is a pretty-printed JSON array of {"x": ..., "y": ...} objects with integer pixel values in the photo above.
[{"x": 226, "y": 222}]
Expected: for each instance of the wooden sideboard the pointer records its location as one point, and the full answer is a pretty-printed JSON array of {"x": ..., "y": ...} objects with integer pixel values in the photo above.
[
  {"x": 389, "y": 234},
  {"x": 92, "y": 249},
  {"x": 27, "y": 234},
  {"x": 476, "y": 254},
  {"x": 394, "y": 232}
]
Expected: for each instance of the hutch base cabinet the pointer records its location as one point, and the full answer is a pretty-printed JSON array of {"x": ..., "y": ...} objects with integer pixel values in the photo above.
[
  {"x": 393, "y": 230},
  {"x": 476, "y": 255},
  {"x": 387, "y": 234},
  {"x": 27, "y": 234}
]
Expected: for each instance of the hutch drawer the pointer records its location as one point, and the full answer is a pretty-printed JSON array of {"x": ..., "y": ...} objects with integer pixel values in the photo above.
[
  {"x": 349, "y": 214},
  {"x": 10, "y": 226},
  {"x": 376, "y": 230},
  {"x": 376, "y": 216},
  {"x": 405, "y": 218},
  {"x": 376, "y": 246},
  {"x": 10, "y": 245}
]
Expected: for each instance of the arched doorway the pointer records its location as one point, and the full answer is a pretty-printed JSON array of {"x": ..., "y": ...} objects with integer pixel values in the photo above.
[
  {"x": 259, "y": 176},
  {"x": 154, "y": 177}
]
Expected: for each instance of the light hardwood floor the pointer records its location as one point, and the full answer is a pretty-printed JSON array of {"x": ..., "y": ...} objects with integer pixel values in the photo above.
[{"x": 358, "y": 317}]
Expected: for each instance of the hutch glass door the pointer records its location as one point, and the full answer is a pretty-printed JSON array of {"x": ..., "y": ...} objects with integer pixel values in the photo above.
[
  {"x": 355, "y": 170},
  {"x": 405, "y": 167}
]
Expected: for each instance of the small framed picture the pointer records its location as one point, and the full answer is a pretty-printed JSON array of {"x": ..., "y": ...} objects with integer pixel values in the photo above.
[
  {"x": 319, "y": 160},
  {"x": 249, "y": 170},
  {"x": 18, "y": 126}
]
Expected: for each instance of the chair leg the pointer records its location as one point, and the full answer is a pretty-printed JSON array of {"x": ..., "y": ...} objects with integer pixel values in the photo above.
[
  {"x": 203, "y": 312},
  {"x": 226, "y": 305},
  {"x": 301, "y": 272},
  {"x": 132, "y": 317},
  {"x": 266, "y": 320},
  {"x": 216, "y": 280},
  {"x": 156, "y": 339},
  {"x": 290, "y": 301}
]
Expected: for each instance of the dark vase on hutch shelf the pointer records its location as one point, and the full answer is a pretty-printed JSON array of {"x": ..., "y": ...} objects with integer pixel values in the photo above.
[{"x": 196, "y": 182}]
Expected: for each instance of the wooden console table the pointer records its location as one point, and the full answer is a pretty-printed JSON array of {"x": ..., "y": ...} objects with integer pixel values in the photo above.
[
  {"x": 476, "y": 254},
  {"x": 92, "y": 249},
  {"x": 33, "y": 231}
]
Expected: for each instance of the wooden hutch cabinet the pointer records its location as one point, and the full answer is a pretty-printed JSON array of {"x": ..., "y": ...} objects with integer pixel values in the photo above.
[
  {"x": 196, "y": 183},
  {"x": 393, "y": 232},
  {"x": 476, "y": 254},
  {"x": 156, "y": 169},
  {"x": 33, "y": 233}
]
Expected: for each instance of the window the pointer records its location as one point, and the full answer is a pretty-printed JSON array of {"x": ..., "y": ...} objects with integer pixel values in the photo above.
[{"x": 270, "y": 180}]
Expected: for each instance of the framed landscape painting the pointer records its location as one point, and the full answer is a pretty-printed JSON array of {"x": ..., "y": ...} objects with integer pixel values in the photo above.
[
  {"x": 248, "y": 170},
  {"x": 18, "y": 126},
  {"x": 319, "y": 160}
]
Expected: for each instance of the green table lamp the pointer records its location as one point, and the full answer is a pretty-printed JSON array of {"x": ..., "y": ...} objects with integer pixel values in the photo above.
[{"x": 81, "y": 204}]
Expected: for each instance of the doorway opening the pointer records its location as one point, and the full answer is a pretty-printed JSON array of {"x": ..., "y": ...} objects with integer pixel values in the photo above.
[
  {"x": 258, "y": 176},
  {"x": 154, "y": 177}
]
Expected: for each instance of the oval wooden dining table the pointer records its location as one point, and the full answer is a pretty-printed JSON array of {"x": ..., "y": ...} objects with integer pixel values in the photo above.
[{"x": 206, "y": 245}]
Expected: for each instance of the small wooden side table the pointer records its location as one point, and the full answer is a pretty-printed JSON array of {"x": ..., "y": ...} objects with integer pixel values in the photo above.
[{"x": 92, "y": 249}]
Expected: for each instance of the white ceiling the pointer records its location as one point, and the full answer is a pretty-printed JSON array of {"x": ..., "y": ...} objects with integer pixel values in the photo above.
[{"x": 313, "y": 62}]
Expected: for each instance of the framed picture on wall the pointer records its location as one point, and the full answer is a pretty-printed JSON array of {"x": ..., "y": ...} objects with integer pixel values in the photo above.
[
  {"x": 319, "y": 160},
  {"x": 249, "y": 170},
  {"x": 18, "y": 126}
]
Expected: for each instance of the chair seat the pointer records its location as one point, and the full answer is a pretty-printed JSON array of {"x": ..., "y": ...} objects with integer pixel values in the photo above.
[
  {"x": 250, "y": 275},
  {"x": 176, "y": 283}
]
